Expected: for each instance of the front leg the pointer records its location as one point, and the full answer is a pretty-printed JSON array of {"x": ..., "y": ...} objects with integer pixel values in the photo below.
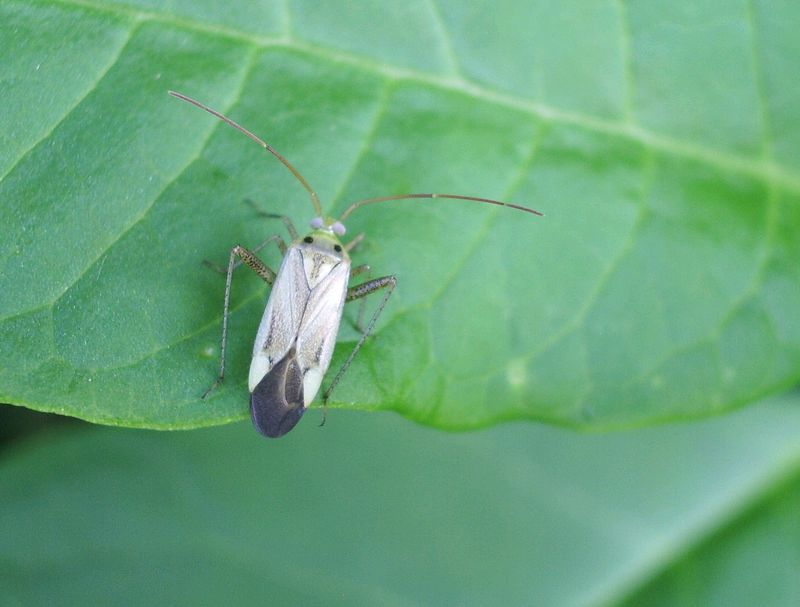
[{"x": 274, "y": 238}]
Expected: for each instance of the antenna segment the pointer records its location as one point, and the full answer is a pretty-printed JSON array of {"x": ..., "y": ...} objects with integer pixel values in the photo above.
[
  {"x": 259, "y": 141},
  {"x": 361, "y": 203}
]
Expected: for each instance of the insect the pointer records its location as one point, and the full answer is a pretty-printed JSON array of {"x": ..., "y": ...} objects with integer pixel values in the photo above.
[{"x": 298, "y": 330}]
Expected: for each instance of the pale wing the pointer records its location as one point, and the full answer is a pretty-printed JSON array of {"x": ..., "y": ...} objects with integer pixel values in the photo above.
[
  {"x": 280, "y": 323},
  {"x": 319, "y": 327}
]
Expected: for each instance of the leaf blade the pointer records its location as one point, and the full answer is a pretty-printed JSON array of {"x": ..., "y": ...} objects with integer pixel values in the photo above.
[{"x": 662, "y": 265}]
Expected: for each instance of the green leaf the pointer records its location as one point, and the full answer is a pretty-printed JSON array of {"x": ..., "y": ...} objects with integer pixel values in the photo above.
[
  {"x": 374, "y": 510},
  {"x": 662, "y": 142}
]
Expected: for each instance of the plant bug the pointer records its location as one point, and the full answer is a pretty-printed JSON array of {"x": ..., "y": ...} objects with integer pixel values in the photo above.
[{"x": 298, "y": 330}]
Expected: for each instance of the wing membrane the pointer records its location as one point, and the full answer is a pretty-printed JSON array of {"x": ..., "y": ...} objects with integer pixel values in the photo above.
[{"x": 303, "y": 318}]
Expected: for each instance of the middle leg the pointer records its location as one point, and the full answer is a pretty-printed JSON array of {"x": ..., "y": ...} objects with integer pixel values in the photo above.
[{"x": 266, "y": 273}]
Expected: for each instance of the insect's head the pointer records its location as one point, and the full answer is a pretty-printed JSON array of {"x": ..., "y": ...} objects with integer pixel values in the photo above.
[
  {"x": 334, "y": 226},
  {"x": 324, "y": 237}
]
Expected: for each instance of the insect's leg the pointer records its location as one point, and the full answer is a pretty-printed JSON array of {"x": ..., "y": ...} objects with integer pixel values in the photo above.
[
  {"x": 274, "y": 238},
  {"x": 362, "y": 305},
  {"x": 362, "y": 269},
  {"x": 353, "y": 293},
  {"x": 354, "y": 243},
  {"x": 286, "y": 221},
  {"x": 267, "y": 275}
]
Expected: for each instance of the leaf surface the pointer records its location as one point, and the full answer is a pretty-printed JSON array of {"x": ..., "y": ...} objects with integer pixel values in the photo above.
[{"x": 661, "y": 142}]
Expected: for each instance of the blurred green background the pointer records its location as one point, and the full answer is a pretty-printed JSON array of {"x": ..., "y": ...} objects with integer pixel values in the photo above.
[
  {"x": 373, "y": 509},
  {"x": 655, "y": 304}
]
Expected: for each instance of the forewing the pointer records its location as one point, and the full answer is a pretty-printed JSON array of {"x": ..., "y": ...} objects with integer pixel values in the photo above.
[
  {"x": 282, "y": 317},
  {"x": 319, "y": 327}
]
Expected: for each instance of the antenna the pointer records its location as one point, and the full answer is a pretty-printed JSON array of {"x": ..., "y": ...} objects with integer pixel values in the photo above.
[
  {"x": 361, "y": 203},
  {"x": 259, "y": 141}
]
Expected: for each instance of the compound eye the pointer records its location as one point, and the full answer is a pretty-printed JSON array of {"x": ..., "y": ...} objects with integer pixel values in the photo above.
[
  {"x": 338, "y": 228},
  {"x": 317, "y": 223}
]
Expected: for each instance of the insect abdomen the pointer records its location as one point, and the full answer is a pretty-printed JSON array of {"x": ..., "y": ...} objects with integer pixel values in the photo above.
[{"x": 276, "y": 403}]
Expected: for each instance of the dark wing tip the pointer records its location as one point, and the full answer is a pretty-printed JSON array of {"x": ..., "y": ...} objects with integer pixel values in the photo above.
[
  {"x": 276, "y": 404},
  {"x": 274, "y": 419}
]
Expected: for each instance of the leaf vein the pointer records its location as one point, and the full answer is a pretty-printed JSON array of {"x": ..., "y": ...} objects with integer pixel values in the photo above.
[
  {"x": 515, "y": 182},
  {"x": 626, "y": 58},
  {"x": 81, "y": 98},
  {"x": 758, "y": 77},
  {"x": 766, "y": 170},
  {"x": 580, "y": 316},
  {"x": 751, "y": 290},
  {"x": 446, "y": 40},
  {"x": 369, "y": 138},
  {"x": 249, "y": 66}
]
